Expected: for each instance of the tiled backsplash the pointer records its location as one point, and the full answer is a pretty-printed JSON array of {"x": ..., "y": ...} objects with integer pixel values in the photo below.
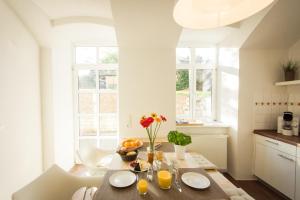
[{"x": 267, "y": 107}]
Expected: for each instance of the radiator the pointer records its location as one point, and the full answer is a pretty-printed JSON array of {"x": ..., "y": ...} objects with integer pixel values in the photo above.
[{"x": 211, "y": 146}]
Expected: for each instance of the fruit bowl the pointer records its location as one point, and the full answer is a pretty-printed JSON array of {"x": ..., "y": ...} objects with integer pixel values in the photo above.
[
  {"x": 128, "y": 156},
  {"x": 131, "y": 144}
]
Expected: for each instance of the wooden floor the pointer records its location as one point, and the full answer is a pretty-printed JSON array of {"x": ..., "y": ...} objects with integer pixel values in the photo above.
[{"x": 256, "y": 189}]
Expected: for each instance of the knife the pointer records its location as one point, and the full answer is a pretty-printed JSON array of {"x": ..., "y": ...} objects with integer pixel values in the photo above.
[{"x": 177, "y": 180}]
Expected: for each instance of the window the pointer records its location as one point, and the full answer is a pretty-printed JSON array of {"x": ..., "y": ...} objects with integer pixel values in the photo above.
[
  {"x": 195, "y": 81},
  {"x": 96, "y": 97}
]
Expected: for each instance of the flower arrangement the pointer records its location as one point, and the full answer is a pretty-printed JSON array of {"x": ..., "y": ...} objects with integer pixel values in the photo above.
[{"x": 152, "y": 125}]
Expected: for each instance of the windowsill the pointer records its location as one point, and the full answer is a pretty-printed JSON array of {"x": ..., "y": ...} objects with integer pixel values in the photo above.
[
  {"x": 203, "y": 125},
  {"x": 206, "y": 129}
]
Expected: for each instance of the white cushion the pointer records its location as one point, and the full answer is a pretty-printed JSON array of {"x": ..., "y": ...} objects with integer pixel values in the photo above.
[
  {"x": 231, "y": 192},
  {"x": 238, "y": 194},
  {"x": 84, "y": 193}
]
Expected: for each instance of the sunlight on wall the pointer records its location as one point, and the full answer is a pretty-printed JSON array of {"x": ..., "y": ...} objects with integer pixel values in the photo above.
[{"x": 228, "y": 90}]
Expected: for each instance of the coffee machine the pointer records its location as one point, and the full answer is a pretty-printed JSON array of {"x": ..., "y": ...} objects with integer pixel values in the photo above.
[{"x": 287, "y": 124}]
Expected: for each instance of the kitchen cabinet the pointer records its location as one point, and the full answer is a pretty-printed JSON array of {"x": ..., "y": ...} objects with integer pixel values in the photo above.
[
  {"x": 298, "y": 175},
  {"x": 275, "y": 163}
]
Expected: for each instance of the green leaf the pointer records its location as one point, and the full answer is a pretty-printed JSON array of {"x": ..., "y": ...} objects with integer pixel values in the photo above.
[{"x": 179, "y": 138}]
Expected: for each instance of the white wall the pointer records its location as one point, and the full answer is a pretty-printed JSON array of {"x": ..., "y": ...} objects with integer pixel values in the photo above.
[
  {"x": 20, "y": 115},
  {"x": 227, "y": 102},
  {"x": 294, "y": 53},
  {"x": 294, "y": 91},
  {"x": 147, "y": 36},
  {"x": 47, "y": 106},
  {"x": 259, "y": 70},
  {"x": 147, "y": 84}
]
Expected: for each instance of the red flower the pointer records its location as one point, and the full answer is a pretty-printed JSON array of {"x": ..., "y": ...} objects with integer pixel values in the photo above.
[
  {"x": 163, "y": 118},
  {"x": 146, "y": 122}
]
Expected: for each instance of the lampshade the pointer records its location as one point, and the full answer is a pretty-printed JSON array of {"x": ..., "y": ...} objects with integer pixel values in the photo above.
[{"x": 205, "y": 14}]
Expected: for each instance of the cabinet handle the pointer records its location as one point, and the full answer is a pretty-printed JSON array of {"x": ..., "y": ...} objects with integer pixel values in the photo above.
[
  {"x": 282, "y": 156},
  {"x": 272, "y": 142}
]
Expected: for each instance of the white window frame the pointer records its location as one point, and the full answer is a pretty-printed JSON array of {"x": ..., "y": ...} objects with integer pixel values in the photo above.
[
  {"x": 76, "y": 92},
  {"x": 192, "y": 67}
]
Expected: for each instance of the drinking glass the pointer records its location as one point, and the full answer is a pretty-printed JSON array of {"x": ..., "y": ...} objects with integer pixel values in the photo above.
[{"x": 142, "y": 184}]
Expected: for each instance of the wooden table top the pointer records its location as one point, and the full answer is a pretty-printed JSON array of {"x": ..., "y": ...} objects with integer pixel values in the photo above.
[
  {"x": 108, "y": 192},
  {"x": 189, "y": 162}
]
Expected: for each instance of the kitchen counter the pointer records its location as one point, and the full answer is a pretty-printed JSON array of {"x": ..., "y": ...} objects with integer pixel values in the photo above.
[{"x": 293, "y": 140}]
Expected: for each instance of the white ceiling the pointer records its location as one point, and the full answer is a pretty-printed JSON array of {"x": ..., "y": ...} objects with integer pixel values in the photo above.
[
  {"x": 56, "y": 9},
  {"x": 209, "y": 37},
  {"x": 278, "y": 29}
]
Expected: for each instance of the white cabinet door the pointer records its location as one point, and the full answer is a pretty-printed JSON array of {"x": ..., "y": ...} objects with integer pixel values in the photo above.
[
  {"x": 284, "y": 173},
  {"x": 261, "y": 164},
  {"x": 275, "y": 168},
  {"x": 298, "y": 178}
]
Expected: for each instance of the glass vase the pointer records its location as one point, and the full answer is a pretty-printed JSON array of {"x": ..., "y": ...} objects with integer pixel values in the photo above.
[{"x": 150, "y": 154}]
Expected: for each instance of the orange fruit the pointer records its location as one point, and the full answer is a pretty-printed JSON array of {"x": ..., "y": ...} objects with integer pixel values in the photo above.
[
  {"x": 132, "y": 144},
  {"x": 126, "y": 144}
]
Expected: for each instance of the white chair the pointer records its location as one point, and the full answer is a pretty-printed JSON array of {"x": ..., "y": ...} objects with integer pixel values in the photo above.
[
  {"x": 96, "y": 160},
  {"x": 55, "y": 184}
]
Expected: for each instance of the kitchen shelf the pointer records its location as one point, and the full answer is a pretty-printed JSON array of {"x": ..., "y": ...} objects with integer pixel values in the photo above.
[{"x": 284, "y": 83}]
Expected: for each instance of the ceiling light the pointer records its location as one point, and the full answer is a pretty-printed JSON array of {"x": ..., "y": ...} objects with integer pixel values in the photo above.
[{"x": 205, "y": 14}]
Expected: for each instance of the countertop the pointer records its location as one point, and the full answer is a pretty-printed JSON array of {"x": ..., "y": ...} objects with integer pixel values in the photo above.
[{"x": 293, "y": 140}]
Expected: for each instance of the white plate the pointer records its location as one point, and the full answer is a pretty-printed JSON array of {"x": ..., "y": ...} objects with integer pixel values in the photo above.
[
  {"x": 195, "y": 180},
  {"x": 122, "y": 179}
]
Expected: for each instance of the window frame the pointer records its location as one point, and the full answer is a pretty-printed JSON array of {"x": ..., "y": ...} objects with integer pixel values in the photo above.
[
  {"x": 76, "y": 91},
  {"x": 193, "y": 67}
]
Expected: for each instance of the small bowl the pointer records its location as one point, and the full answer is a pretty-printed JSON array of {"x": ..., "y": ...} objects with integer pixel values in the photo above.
[{"x": 130, "y": 157}]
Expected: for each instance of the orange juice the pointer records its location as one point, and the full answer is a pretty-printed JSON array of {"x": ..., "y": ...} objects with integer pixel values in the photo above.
[
  {"x": 164, "y": 179},
  {"x": 142, "y": 186}
]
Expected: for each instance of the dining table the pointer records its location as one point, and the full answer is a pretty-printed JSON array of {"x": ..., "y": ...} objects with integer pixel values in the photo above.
[{"x": 193, "y": 162}]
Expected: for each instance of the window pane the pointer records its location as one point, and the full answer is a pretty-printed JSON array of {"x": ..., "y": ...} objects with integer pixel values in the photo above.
[
  {"x": 108, "y": 79},
  {"x": 182, "y": 94},
  {"x": 86, "y": 79},
  {"x": 86, "y": 55},
  {"x": 87, "y": 103},
  {"x": 205, "y": 56},
  {"x": 183, "y": 56},
  {"x": 108, "y": 123},
  {"x": 203, "y": 94},
  {"x": 108, "y": 55},
  {"x": 108, "y": 102},
  {"x": 87, "y": 143},
  {"x": 229, "y": 57},
  {"x": 88, "y": 125}
]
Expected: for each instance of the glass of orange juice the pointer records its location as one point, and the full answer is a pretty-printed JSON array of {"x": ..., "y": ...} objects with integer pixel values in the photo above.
[
  {"x": 142, "y": 187},
  {"x": 164, "y": 179}
]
